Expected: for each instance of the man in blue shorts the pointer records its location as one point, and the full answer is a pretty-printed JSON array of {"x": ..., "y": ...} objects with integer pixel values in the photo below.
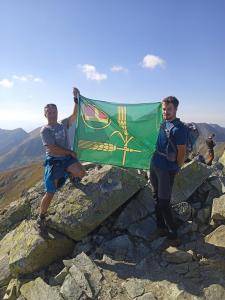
[
  {"x": 167, "y": 160},
  {"x": 60, "y": 161}
]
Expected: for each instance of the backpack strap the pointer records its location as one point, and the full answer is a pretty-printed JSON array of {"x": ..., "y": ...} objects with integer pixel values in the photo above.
[
  {"x": 168, "y": 135},
  {"x": 170, "y": 142}
]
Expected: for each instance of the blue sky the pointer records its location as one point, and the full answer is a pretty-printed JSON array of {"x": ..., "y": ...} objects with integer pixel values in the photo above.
[{"x": 120, "y": 51}]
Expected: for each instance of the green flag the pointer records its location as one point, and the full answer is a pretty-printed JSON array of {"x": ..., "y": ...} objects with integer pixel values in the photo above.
[{"x": 117, "y": 134}]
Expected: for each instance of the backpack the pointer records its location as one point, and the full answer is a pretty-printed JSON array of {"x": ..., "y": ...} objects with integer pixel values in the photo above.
[{"x": 192, "y": 136}]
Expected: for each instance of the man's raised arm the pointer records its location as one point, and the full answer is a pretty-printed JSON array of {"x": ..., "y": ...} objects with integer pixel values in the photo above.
[{"x": 72, "y": 118}]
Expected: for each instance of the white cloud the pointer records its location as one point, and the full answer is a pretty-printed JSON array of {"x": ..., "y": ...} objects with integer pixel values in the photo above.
[
  {"x": 37, "y": 79},
  {"x": 21, "y": 78},
  {"x": 119, "y": 69},
  {"x": 91, "y": 72},
  {"x": 28, "y": 78},
  {"x": 6, "y": 83},
  {"x": 152, "y": 61}
]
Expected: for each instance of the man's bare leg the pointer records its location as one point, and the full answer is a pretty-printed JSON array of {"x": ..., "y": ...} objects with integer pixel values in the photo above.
[{"x": 45, "y": 202}]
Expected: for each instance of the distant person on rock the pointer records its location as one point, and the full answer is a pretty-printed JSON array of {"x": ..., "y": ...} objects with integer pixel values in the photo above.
[
  {"x": 165, "y": 164},
  {"x": 60, "y": 161},
  {"x": 210, "y": 144}
]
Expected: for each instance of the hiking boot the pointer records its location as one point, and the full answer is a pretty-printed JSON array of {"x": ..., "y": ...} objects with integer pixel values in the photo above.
[
  {"x": 76, "y": 182},
  {"x": 41, "y": 224}
]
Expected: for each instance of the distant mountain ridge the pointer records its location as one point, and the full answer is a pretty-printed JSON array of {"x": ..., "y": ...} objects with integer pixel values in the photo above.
[
  {"x": 205, "y": 129},
  {"x": 20, "y": 148},
  {"x": 11, "y": 138}
]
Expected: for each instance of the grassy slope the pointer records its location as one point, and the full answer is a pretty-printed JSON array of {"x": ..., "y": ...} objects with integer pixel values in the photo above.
[{"x": 15, "y": 181}]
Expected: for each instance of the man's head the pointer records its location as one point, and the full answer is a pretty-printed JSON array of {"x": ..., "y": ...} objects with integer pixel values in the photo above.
[
  {"x": 212, "y": 135},
  {"x": 51, "y": 113},
  {"x": 169, "y": 108}
]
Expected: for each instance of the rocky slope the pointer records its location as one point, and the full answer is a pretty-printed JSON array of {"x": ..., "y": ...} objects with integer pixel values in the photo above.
[{"x": 102, "y": 241}]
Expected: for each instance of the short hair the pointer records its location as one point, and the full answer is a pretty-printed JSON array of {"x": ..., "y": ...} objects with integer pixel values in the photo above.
[
  {"x": 50, "y": 105},
  {"x": 171, "y": 99}
]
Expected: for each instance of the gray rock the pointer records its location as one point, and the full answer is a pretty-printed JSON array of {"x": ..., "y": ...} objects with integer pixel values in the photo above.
[
  {"x": 144, "y": 229},
  {"x": 70, "y": 289},
  {"x": 76, "y": 213},
  {"x": 59, "y": 278},
  {"x": 147, "y": 296},
  {"x": 141, "y": 250},
  {"x": 203, "y": 215},
  {"x": 119, "y": 248},
  {"x": 2, "y": 291},
  {"x": 28, "y": 251},
  {"x": 213, "y": 193},
  {"x": 222, "y": 159},
  {"x": 5, "y": 273},
  {"x": 218, "y": 183},
  {"x": 89, "y": 270},
  {"x": 39, "y": 290},
  {"x": 134, "y": 288},
  {"x": 178, "y": 268},
  {"x": 191, "y": 176},
  {"x": 140, "y": 206},
  {"x": 218, "y": 208},
  {"x": 217, "y": 237},
  {"x": 82, "y": 280},
  {"x": 20, "y": 298},
  {"x": 82, "y": 247},
  {"x": 187, "y": 227},
  {"x": 157, "y": 243},
  {"x": 214, "y": 292},
  {"x": 174, "y": 255},
  {"x": 15, "y": 213},
  {"x": 12, "y": 291}
]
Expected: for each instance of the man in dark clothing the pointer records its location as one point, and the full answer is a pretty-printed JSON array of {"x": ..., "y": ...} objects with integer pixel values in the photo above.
[
  {"x": 210, "y": 144},
  {"x": 166, "y": 162}
]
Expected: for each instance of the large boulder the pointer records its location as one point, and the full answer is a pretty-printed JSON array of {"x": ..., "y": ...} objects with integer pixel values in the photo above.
[
  {"x": 190, "y": 177},
  {"x": 217, "y": 237},
  {"x": 15, "y": 213},
  {"x": 24, "y": 251},
  {"x": 5, "y": 274},
  {"x": 39, "y": 290},
  {"x": 176, "y": 256},
  {"x": 222, "y": 159},
  {"x": 83, "y": 277},
  {"x": 77, "y": 212},
  {"x": 218, "y": 209}
]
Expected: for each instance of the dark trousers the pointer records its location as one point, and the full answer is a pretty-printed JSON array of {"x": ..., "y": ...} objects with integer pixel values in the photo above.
[{"x": 162, "y": 183}]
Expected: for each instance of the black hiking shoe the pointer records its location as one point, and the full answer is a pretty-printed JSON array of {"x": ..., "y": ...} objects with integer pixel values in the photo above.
[
  {"x": 76, "y": 182},
  {"x": 41, "y": 224}
]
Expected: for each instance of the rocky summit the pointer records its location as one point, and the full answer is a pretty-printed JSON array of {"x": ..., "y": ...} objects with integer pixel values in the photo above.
[{"x": 102, "y": 240}]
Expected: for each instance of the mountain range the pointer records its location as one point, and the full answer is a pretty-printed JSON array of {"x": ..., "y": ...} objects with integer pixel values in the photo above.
[{"x": 19, "y": 148}]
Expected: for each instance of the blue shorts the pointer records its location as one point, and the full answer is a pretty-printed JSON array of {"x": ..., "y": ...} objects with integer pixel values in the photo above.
[{"x": 55, "y": 168}]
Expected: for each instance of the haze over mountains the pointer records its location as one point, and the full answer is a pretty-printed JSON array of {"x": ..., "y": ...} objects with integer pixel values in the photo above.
[{"x": 18, "y": 148}]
